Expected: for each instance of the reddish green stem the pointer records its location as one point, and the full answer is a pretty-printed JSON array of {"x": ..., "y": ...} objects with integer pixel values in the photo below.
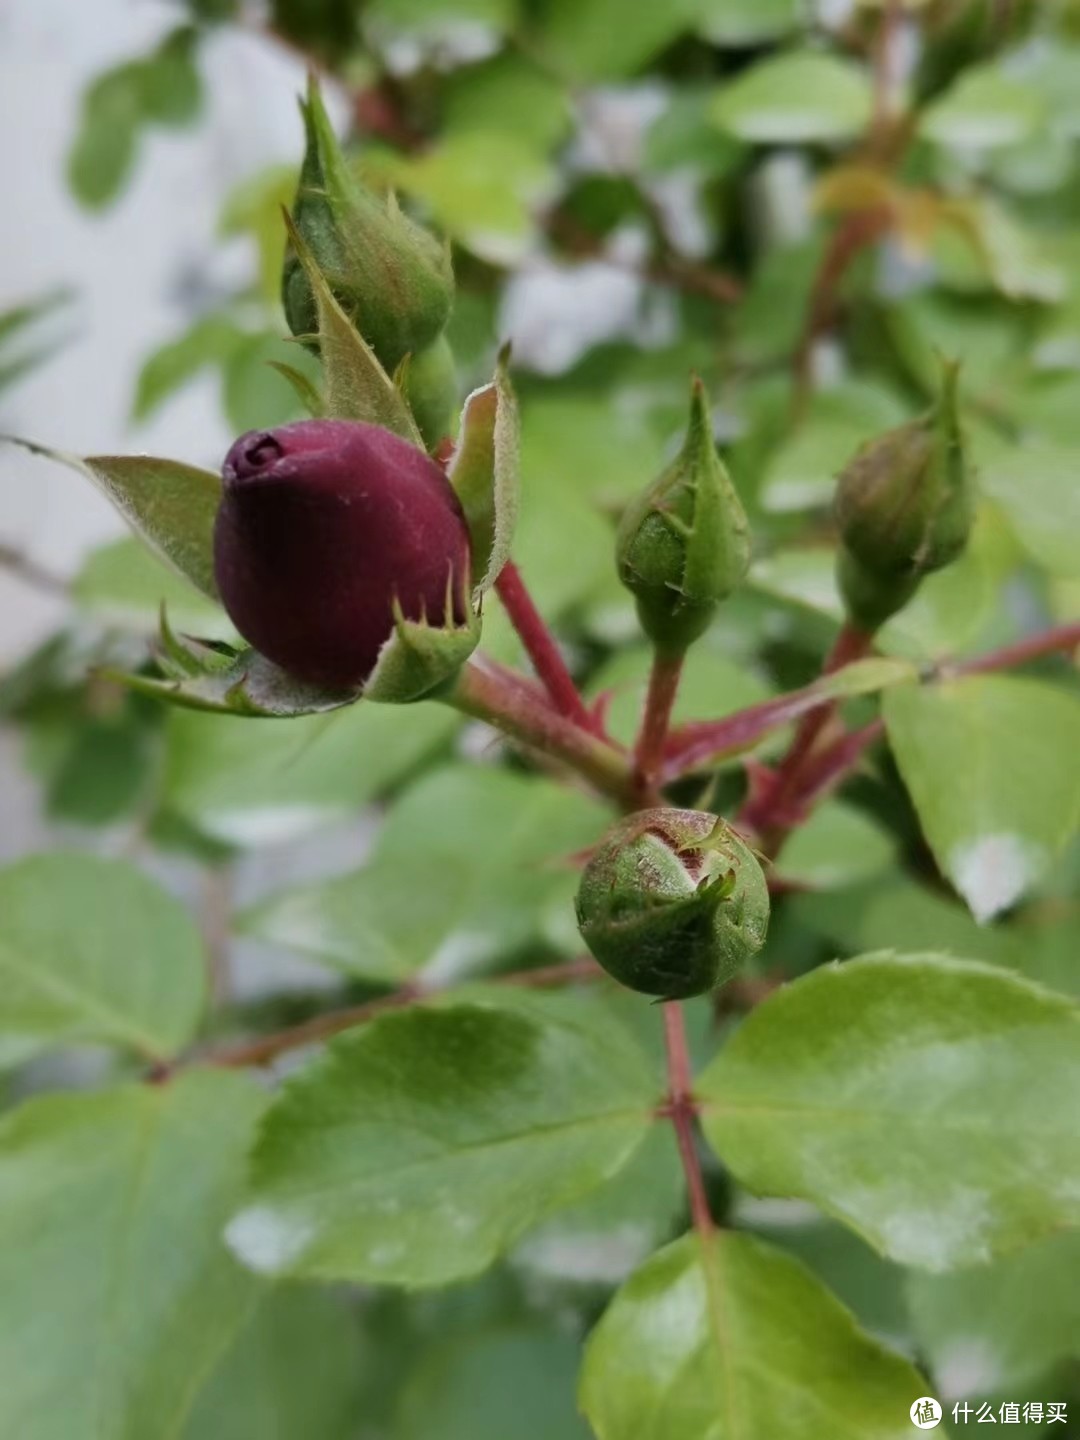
[
  {"x": 487, "y": 692},
  {"x": 660, "y": 700},
  {"x": 681, "y": 1109},
  {"x": 540, "y": 645}
]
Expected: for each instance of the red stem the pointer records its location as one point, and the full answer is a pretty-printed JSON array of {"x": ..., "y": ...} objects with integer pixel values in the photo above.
[
  {"x": 681, "y": 1109},
  {"x": 663, "y": 687},
  {"x": 762, "y": 813},
  {"x": 540, "y": 646}
]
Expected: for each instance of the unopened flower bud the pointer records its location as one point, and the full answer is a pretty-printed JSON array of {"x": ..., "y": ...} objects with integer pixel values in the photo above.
[
  {"x": 391, "y": 276},
  {"x": 673, "y": 903},
  {"x": 683, "y": 546},
  {"x": 905, "y": 505},
  {"x": 327, "y": 531},
  {"x": 431, "y": 390}
]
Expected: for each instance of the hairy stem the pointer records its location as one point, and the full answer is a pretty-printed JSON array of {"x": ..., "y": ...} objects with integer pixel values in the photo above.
[
  {"x": 540, "y": 646},
  {"x": 680, "y": 1109},
  {"x": 663, "y": 687},
  {"x": 488, "y": 693}
]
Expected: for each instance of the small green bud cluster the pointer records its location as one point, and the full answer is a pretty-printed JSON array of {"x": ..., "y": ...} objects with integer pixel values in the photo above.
[
  {"x": 392, "y": 277},
  {"x": 683, "y": 545},
  {"x": 673, "y": 902},
  {"x": 904, "y": 507}
]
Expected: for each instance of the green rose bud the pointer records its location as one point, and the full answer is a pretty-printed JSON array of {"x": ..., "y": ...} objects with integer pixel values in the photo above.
[
  {"x": 430, "y": 387},
  {"x": 673, "y": 903},
  {"x": 683, "y": 546},
  {"x": 390, "y": 276},
  {"x": 904, "y": 507}
]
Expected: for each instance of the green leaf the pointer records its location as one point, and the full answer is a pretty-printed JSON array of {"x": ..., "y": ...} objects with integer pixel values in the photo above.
[
  {"x": 595, "y": 1244},
  {"x": 985, "y": 108},
  {"x": 419, "y": 1147},
  {"x": 494, "y": 849},
  {"x": 516, "y": 1381},
  {"x": 1002, "y": 1327},
  {"x": 740, "y": 23},
  {"x": 730, "y": 1339},
  {"x": 245, "y": 783},
  {"x": 508, "y": 94},
  {"x": 993, "y": 768},
  {"x": 209, "y": 341},
  {"x": 480, "y": 186},
  {"x": 1038, "y": 487},
  {"x": 357, "y": 387},
  {"x": 116, "y": 1293},
  {"x": 484, "y": 473},
  {"x": 928, "y": 1103},
  {"x": 124, "y": 584},
  {"x": 170, "y": 506},
  {"x": 837, "y": 846},
  {"x": 103, "y": 153},
  {"x": 607, "y": 40},
  {"x": 171, "y": 88},
  {"x": 92, "y": 950},
  {"x": 799, "y": 97},
  {"x": 292, "y": 1374}
]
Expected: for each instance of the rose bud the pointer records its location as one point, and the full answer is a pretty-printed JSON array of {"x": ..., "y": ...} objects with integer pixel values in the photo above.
[
  {"x": 683, "y": 546},
  {"x": 905, "y": 504},
  {"x": 326, "y": 526},
  {"x": 673, "y": 902},
  {"x": 391, "y": 276}
]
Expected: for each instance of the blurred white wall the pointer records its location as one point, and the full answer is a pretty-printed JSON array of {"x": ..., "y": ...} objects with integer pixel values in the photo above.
[{"x": 136, "y": 269}]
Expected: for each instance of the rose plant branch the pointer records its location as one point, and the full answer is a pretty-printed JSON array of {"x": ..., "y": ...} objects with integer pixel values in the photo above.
[
  {"x": 488, "y": 692},
  {"x": 540, "y": 645},
  {"x": 681, "y": 1109},
  {"x": 264, "y": 1049},
  {"x": 663, "y": 688}
]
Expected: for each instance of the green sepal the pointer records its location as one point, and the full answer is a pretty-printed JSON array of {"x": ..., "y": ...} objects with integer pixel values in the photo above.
[
  {"x": 392, "y": 278},
  {"x": 419, "y": 656},
  {"x": 429, "y": 383},
  {"x": 872, "y": 597},
  {"x": 683, "y": 545},
  {"x": 356, "y": 385},
  {"x": 220, "y": 678},
  {"x": 485, "y": 473}
]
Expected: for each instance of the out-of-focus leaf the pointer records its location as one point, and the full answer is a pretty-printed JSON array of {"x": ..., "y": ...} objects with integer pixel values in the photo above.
[
  {"x": 517, "y": 1381},
  {"x": 984, "y": 109},
  {"x": 607, "y": 40},
  {"x": 91, "y": 950},
  {"x": 1038, "y": 487},
  {"x": 799, "y": 97},
  {"x": 838, "y": 845},
  {"x": 125, "y": 584},
  {"x": 247, "y": 783},
  {"x": 1002, "y": 1327},
  {"x": 422, "y": 1145},
  {"x": 111, "y": 1207},
  {"x": 992, "y": 765},
  {"x": 749, "y": 22},
  {"x": 479, "y": 900},
  {"x": 291, "y": 1374}
]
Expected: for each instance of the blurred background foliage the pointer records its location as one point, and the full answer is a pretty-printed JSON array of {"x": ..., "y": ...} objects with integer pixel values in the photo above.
[{"x": 802, "y": 202}]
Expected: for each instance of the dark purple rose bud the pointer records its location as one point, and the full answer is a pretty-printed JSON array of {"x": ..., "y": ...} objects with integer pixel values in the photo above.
[{"x": 324, "y": 527}]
